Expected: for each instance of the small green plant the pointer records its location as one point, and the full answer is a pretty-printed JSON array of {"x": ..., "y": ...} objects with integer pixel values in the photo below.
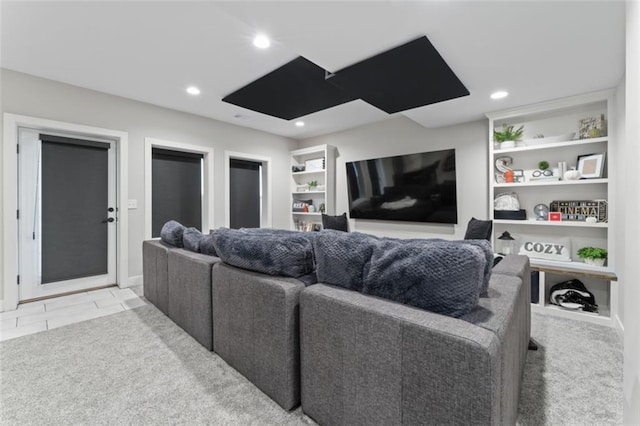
[
  {"x": 508, "y": 133},
  {"x": 313, "y": 184},
  {"x": 592, "y": 253},
  {"x": 543, "y": 165}
]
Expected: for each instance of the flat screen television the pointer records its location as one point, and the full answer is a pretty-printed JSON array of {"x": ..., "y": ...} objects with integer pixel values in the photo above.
[{"x": 415, "y": 187}]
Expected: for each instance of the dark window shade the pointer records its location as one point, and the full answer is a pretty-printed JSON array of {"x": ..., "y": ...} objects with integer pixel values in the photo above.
[
  {"x": 74, "y": 209},
  {"x": 176, "y": 189},
  {"x": 72, "y": 141},
  {"x": 244, "y": 194}
]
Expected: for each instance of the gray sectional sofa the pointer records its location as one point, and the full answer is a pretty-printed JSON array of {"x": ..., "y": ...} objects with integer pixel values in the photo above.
[{"x": 349, "y": 357}]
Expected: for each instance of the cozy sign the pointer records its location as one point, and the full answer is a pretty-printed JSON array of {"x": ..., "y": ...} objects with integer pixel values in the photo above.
[{"x": 545, "y": 248}]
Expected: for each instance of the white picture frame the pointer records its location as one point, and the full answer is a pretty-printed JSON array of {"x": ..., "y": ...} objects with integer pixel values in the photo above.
[{"x": 591, "y": 166}]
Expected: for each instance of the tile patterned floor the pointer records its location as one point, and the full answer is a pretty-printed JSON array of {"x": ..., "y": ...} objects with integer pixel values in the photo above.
[{"x": 52, "y": 313}]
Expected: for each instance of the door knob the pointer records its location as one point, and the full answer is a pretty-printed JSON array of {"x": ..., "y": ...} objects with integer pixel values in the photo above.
[
  {"x": 110, "y": 209},
  {"x": 110, "y": 219}
]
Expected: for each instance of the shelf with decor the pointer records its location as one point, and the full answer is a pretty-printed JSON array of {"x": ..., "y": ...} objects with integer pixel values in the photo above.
[
  {"x": 554, "y": 183},
  {"x": 312, "y": 186}
]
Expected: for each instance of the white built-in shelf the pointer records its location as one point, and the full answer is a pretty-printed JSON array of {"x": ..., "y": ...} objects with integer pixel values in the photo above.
[
  {"x": 565, "y": 223},
  {"x": 551, "y": 145},
  {"x": 602, "y": 272},
  {"x": 309, "y": 192},
  {"x": 311, "y": 172},
  {"x": 601, "y": 318},
  {"x": 551, "y": 182},
  {"x": 307, "y": 214}
]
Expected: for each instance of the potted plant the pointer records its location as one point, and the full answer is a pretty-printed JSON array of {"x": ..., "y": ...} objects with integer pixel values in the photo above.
[
  {"x": 508, "y": 136},
  {"x": 593, "y": 255},
  {"x": 313, "y": 185}
]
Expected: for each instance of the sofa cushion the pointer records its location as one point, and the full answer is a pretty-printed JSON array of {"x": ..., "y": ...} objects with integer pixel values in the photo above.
[
  {"x": 191, "y": 238},
  {"x": 444, "y": 277},
  {"x": 342, "y": 258},
  {"x": 338, "y": 223},
  {"x": 280, "y": 254},
  {"x": 171, "y": 233},
  {"x": 206, "y": 245},
  {"x": 478, "y": 229}
]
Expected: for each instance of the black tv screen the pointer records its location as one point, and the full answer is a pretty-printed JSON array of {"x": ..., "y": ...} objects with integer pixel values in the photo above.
[{"x": 414, "y": 187}]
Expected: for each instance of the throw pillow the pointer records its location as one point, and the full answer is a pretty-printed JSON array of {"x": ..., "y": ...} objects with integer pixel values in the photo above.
[
  {"x": 444, "y": 277},
  {"x": 279, "y": 254},
  {"x": 191, "y": 238},
  {"x": 206, "y": 245},
  {"x": 479, "y": 229},
  {"x": 338, "y": 223},
  {"x": 171, "y": 233}
]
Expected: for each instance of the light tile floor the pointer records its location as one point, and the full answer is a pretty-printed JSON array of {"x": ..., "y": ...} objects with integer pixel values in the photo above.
[{"x": 48, "y": 314}]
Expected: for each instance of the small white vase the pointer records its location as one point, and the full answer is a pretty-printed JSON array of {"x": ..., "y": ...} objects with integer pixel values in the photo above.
[
  {"x": 594, "y": 262},
  {"x": 507, "y": 144}
]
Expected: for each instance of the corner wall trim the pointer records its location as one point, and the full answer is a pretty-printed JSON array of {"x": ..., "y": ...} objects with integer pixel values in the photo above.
[{"x": 132, "y": 281}]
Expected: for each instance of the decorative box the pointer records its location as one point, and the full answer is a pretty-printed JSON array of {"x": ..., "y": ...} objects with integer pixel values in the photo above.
[
  {"x": 510, "y": 214},
  {"x": 314, "y": 165}
]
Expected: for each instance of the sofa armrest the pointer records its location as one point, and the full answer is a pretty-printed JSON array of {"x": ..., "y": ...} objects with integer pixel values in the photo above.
[{"x": 367, "y": 360}]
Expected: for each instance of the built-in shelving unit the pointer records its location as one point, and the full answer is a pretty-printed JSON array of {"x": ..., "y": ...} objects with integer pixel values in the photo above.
[
  {"x": 550, "y": 119},
  {"x": 301, "y": 190}
]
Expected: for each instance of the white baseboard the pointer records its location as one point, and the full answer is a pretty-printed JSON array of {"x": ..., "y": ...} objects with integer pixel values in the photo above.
[{"x": 137, "y": 280}]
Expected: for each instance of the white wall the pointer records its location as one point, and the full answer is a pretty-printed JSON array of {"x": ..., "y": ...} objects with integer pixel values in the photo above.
[
  {"x": 402, "y": 136},
  {"x": 631, "y": 230},
  {"x": 31, "y": 96},
  {"x": 622, "y": 185}
]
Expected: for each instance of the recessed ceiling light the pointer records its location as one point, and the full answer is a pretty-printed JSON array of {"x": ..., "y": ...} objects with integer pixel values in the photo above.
[
  {"x": 499, "y": 95},
  {"x": 299, "y": 123},
  {"x": 261, "y": 41},
  {"x": 193, "y": 90}
]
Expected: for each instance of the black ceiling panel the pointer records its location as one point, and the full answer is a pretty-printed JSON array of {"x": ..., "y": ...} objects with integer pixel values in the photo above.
[
  {"x": 408, "y": 76},
  {"x": 295, "y": 89}
]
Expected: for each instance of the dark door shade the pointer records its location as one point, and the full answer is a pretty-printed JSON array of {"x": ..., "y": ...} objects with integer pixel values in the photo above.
[
  {"x": 176, "y": 182},
  {"x": 244, "y": 194},
  {"x": 74, "y": 208}
]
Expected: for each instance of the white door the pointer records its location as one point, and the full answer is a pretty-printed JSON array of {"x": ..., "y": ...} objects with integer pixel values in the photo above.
[{"x": 67, "y": 213}]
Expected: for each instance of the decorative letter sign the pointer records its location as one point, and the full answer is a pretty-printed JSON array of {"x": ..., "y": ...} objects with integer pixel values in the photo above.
[{"x": 536, "y": 248}]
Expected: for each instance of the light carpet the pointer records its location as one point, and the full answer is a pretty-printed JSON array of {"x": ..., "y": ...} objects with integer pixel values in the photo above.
[{"x": 138, "y": 367}]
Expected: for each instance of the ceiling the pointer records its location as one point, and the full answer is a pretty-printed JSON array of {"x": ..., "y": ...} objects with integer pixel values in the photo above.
[{"x": 151, "y": 51}]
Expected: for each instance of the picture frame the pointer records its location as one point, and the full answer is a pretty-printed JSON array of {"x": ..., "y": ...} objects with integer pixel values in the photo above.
[
  {"x": 518, "y": 176},
  {"x": 591, "y": 166}
]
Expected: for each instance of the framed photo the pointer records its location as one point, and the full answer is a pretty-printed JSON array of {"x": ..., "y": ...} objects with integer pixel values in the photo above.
[
  {"x": 518, "y": 176},
  {"x": 591, "y": 166}
]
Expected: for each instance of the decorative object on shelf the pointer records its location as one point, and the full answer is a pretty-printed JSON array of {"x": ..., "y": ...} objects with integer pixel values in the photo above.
[
  {"x": 555, "y": 217},
  {"x": 311, "y": 208},
  {"x": 297, "y": 168},
  {"x": 549, "y": 248},
  {"x": 572, "y": 294},
  {"x": 506, "y": 201},
  {"x": 580, "y": 210},
  {"x": 538, "y": 174},
  {"x": 562, "y": 169},
  {"x": 313, "y": 185},
  {"x": 508, "y": 176},
  {"x": 518, "y": 176},
  {"x": 592, "y": 127},
  {"x": 301, "y": 206},
  {"x": 591, "y": 165},
  {"x": 503, "y": 164},
  {"x": 322, "y": 208},
  {"x": 540, "y": 139},
  {"x": 594, "y": 256},
  {"x": 541, "y": 211},
  {"x": 315, "y": 165},
  {"x": 321, "y": 187},
  {"x": 302, "y": 188},
  {"x": 543, "y": 165},
  {"x": 506, "y": 244},
  {"x": 572, "y": 174},
  {"x": 508, "y": 136}
]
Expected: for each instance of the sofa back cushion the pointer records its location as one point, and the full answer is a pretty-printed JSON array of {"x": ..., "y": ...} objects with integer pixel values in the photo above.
[
  {"x": 444, "y": 277},
  {"x": 171, "y": 233},
  {"x": 287, "y": 253},
  {"x": 342, "y": 258},
  {"x": 191, "y": 238}
]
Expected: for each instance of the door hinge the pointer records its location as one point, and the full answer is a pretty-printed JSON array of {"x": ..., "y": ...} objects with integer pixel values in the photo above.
[{"x": 18, "y": 279}]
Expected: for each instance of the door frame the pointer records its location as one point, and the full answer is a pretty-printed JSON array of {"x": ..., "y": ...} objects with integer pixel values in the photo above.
[
  {"x": 12, "y": 122},
  {"x": 266, "y": 219},
  {"x": 207, "y": 190}
]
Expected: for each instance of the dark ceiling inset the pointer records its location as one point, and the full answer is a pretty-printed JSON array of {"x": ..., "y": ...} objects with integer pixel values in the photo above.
[
  {"x": 295, "y": 89},
  {"x": 405, "y": 77}
]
